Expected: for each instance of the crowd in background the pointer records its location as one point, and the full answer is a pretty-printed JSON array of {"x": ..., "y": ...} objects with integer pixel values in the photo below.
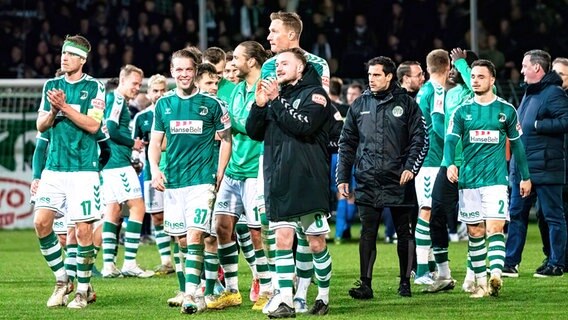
[{"x": 346, "y": 33}]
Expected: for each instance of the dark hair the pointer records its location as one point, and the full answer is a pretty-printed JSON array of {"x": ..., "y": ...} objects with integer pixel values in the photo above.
[
  {"x": 80, "y": 41},
  {"x": 487, "y": 64},
  {"x": 111, "y": 84},
  {"x": 404, "y": 69},
  {"x": 357, "y": 85},
  {"x": 185, "y": 53},
  {"x": 298, "y": 53},
  {"x": 214, "y": 55},
  {"x": 205, "y": 68},
  {"x": 335, "y": 85},
  {"x": 255, "y": 51},
  {"x": 386, "y": 62},
  {"x": 539, "y": 57}
]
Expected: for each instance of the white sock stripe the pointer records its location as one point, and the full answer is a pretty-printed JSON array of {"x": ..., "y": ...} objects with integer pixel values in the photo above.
[
  {"x": 322, "y": 265},
  {"x": 132, "y": 235},
  {"x": 51, "y": 250},
  {"x": 422, "y": 228},
  {"x": 305, "y": 265},
  {"x": 496, "y": 243},
  {"x": 54, "y": 262},
  {"x": 108, "y": 235},
  {"x": 303, "y": 249},
  {"x": 211, "y": 274},
  {"x": 193, "y": 271}
]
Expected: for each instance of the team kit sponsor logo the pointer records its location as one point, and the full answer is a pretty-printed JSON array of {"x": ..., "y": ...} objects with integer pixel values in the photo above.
[
  {"x": 470, "y": 215},
  {"x": 186, "y": 127},
  {"x": 484, "y": 136}
]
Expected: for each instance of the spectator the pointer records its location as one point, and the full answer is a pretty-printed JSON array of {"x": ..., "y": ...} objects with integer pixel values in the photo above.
[{"x": 543, "y": 116}]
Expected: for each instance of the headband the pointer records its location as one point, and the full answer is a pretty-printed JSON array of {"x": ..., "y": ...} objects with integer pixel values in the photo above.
[{"x": 74, "y": 48}]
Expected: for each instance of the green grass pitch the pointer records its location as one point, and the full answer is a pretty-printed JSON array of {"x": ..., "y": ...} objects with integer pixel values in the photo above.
[{"x": 26, "y": 282}]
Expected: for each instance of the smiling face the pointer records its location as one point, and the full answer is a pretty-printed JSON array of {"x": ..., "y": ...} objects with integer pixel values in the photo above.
[
  {"x": 530, "y": 70},
  {"x": 241, "y": 62},
  {"x": 130, "y": 85},
  {"x": 288, "y": 68},
  {"x": 183, "y": 71}
]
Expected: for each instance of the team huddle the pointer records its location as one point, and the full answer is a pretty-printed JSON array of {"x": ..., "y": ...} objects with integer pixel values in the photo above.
[{"x": 244, "y": 165}]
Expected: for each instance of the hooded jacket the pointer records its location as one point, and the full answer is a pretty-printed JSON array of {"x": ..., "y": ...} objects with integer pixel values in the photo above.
[
  {"x": 383, "y": 135},
  {"x": 295, "y": 130},
  {"x": 543, "y": 116}
]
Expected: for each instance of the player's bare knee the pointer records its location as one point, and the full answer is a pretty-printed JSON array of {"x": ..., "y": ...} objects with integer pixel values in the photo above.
[
  {"x": 182, "y": 241},
  {"x": 224, "y": 227},
  {"x": 476, "y": 230},
  {"x": 317, "y": 243},
  {"x": 84, "y": 233},
  {"x": 158, "y": 218},
  {"x": 194, "y": 236},
  {"x": 43, "y": 223}
]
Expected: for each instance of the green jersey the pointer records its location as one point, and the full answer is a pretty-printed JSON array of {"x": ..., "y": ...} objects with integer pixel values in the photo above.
[
  {"x": 483, "y": 129},
  {"x": 72, "y": 148},
  {"x": 454, "y": 98},
  {"x": 430, "y": 98},
  {"x": 189, "y": 124},
  {"x": 245, "y": 151},
  {"x": 225, "y": 91},
  {"x": 117, "y": 121},
  {"x": 142, "y": 129}
]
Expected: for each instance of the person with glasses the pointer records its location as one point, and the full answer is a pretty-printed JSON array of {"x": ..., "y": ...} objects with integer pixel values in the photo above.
[{"x": 410, "y": 76}]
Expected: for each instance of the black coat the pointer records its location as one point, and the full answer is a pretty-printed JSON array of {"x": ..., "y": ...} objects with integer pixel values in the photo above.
[
  {"x": 383, "y": 135},
  {"x": 295, "y": 130},
  {"x": 546, "y": 104}
]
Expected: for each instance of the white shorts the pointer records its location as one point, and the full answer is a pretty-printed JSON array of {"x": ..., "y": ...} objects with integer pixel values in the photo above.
[
  {"x": 188, "y": 208},
  {"x": 60, "y": 225},
  {"x": 260, "y": 184},
  {"x": 312, "y": 224},
  {"x": 153, "y": 199},
  {"x": 76, "y": 195},
  {"x": 485, "y": 203},
  {"x": 121, "y": 185},
  {"x": 424, "y": 184},
  {"x": 238, "y": 198}
]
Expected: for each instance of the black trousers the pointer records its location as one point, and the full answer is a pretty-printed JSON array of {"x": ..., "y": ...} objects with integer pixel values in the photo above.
[
  {"x": 370, "y": 221},
  {"x": 445, "y": 198}
]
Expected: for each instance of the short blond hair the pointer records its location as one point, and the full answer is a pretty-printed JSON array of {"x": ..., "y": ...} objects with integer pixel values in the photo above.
[
  {"x": 157, "y": 78},
  {"x": 128, "y": 69},
  {"x": 290, "y": 20}
]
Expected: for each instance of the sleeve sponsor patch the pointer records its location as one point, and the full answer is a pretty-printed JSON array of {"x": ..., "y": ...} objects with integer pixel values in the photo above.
[
  {"x": 319, "y": 99},
  {"x": 98, "y": 104},
  {"x": 519, "y": 129},
  {"x": 325, "y": 81}
]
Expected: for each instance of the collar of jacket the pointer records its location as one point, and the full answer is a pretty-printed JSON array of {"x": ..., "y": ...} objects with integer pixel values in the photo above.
[
  {"x": 551, "y": 78},
  {"x": 387, "y": 95}
]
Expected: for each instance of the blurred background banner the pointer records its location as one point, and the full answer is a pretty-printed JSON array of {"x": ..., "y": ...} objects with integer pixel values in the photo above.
[{"x": 19, "y": 101}]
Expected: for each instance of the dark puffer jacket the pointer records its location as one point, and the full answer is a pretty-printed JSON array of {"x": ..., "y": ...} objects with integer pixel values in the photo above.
[
  {"x": 295, "y": 130},
  {"x": 383, "y": 135},
  {"x": 543, "y": 115}
]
